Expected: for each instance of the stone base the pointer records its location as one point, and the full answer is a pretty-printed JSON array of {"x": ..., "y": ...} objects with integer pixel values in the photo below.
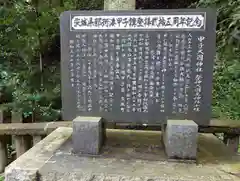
[
  {"x": 180, "y": 139},
  {"x": 88, "y": 135},
  {"x": 128, "y": 155},
  {"x": 27, "y": 166}
]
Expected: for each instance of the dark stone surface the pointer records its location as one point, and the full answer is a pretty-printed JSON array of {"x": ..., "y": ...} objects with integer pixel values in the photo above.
[
  {"x": 180, "y": 139},
  {"x": 87, "y": 135},
  {"x": 146, "y": 71}
]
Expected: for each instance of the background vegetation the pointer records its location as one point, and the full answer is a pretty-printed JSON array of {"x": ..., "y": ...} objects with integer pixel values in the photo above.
[{"x": 30, "y": 54}]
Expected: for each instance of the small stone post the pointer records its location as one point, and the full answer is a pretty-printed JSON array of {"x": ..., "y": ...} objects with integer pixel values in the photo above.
[
  {"x": 22, "y": 142},
  {"x": 3, "y": 153},
  {"x": 119, "y": 4},
  {"x": 4, "y": 141},
  {"x": 1, "y": 116},
  {"x": 17, "y": 117},
  {"x": 88, "y": 135},
  {"x": 21, "y": 145},
  {"x": 180, "y": 139}
]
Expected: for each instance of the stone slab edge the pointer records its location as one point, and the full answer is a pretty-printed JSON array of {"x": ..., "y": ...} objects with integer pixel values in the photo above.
[{"x": 26, "y": 167}]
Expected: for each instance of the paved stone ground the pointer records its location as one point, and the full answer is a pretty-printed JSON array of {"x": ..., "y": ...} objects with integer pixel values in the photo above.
[{"x": 139, "y": 156}]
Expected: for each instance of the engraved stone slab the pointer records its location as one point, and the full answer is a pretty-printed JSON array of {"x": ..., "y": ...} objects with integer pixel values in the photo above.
[{"x": 143, "y": 66}]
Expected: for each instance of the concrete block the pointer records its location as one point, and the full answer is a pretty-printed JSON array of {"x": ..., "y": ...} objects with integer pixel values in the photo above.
[
  {"x": 88, "y": 135},
  {"x": 180, "y": 139},
  {"x": 26, "y": 167}
]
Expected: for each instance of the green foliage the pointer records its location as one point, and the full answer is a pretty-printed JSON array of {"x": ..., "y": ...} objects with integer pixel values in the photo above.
[
  {"x": 25, "y": 33},
  {"x": 29, "y": 80},
  {"x": 226, "y": 92}
]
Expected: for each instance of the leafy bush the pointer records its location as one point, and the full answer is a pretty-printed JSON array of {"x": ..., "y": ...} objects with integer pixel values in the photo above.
[
  {"x": 30, "y": 75},
  {"x": 26, "y": 31},
  {"x": 226, "y": 91}
]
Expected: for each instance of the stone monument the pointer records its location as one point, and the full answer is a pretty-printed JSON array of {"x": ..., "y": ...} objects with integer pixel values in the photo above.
[{"x": 151, "y": 66}]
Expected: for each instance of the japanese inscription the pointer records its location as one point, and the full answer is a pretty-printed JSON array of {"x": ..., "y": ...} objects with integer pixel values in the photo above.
[
  {"x": 145, "y": 66},
  {"x": 138, "y": 22}
]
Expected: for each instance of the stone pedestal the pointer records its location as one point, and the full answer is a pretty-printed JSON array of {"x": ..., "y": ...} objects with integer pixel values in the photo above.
[
  {"x": 180, "y": 139},
  {"x": 88, "y": 135}
]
